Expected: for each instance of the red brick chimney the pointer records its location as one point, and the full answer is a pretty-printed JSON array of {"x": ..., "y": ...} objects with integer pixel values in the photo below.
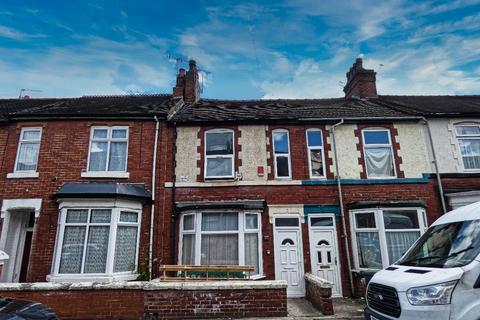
[
  {"x": 187, "y": 85},
  {"x": 360, "y": 82}
]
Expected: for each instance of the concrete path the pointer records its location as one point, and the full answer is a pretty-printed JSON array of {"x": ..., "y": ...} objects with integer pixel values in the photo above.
[{"x": 301, "y": 309}]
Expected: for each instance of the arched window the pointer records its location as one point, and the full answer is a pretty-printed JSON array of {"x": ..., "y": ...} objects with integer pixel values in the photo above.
[
  {"x": 468, "y": 136},
  {"x": 323, "y": 242},
  {"x": 219, "y": 153},
  {"x": 287, "y": 241}
]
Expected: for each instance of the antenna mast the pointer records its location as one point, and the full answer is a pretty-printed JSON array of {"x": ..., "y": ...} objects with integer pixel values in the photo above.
[{"x": 20, "y": 96}]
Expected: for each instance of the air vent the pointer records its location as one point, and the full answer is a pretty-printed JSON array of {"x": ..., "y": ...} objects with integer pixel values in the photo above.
[
  {"x": 417, "y": 271},
  {"x": 391, "y": 269}
]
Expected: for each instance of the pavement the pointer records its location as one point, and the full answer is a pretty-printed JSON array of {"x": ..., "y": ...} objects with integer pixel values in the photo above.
[{"x": 302, "y": 309}]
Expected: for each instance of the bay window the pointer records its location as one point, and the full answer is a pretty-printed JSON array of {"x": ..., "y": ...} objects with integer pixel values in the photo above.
[
  {"x": 221, "y": 238},
  {"x": 378, "y": 153},
  {"x": 97, "y": 242},
  {"x": 315, "y": 153},
  {"x": 219, "y": 154},
  {"x": 281, "y": 153},
  {"x": 382, "y": 236},
  {"x": 108, "y": 149},
  {"x": 468, "y": 136}
]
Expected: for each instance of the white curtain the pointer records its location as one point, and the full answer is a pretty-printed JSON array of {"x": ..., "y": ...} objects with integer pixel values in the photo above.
[
  {"x": 188, "y": 250},
  {"x": 251, "y": 250},
  {"x": 219, "y": 166},
  {"x": 219, "y": 221},
  {"x": 126, "y": 249},
  {"x": 118, "y": 155},
  {"x": 379, "y": 162},
  {"x": 98, "y": 156},
  {"x": 219, "y": 249},
  {"x": 72, "y": 249},
  {"x": 97, "y": 248},
  {"x": 470, "y": 149},
  {"x": 399, "y": 242},
  {"x": 27, "y": 156}
]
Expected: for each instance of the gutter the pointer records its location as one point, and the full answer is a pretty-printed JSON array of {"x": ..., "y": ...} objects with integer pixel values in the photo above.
[
  {"x": 342, "y": 208},
  {"x": 152, "y": 211},
  {"x": 437, "y": 170}
]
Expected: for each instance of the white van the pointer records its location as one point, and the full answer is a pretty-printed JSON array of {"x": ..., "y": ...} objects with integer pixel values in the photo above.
[{"x": 437, "y": 278}]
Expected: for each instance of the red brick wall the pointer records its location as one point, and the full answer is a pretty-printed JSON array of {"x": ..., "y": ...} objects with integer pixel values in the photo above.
[
  {"x": 63, "y": 156},
  {"x": 316, "y": 195},
  {"x": 320, "y": 297},
  {"x": 159, "y": 304}
]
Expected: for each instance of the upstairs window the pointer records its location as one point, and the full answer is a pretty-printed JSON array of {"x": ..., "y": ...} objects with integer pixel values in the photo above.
[
  {"x": 28, "y": 150},
  {"x": 219, "y": 154},
  {"x": 281, "y": 153},
  {"x": 378, "y": 153},
  {"x": 108, "y": 149},
  {"x": 315, "y": 153},
  {"x": 469, "y": 141}
]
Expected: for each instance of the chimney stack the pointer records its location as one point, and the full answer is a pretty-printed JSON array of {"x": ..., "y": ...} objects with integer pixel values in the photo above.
[
  {"x": 360, "y": 82},
  {"x": 187, "y": 85}
]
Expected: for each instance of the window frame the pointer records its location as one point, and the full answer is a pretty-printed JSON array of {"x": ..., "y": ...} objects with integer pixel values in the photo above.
[
  {"x": 389, "y": 145},
  {"x": 459, "y": 137},
  {"x": 21, "y": 141},
  {"x": 382, "y": 231},
  {"x": 116, "y": 208},
  {"x": 241, "y": 231},
  {"x": 309, "y": 149},
  {"x": 109, "y": 140},
  {"x": 287, "y": 155},
  {"x": 225, "y": 156}
]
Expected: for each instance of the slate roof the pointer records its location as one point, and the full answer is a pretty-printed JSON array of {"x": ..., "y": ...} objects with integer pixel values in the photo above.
[
  {"x": 247, "y": 111},
  {"x": 209, "y": 110},
  {"x": 434, "y": 106},
  {"x": 93, "y": 106}
]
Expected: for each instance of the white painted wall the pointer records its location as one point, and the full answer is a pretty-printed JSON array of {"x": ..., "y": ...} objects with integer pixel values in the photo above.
[
  {"x": 254, "y": 152},
  {"x": 446, "y": 144},
  {"x": 413, "y": 149},
  {"x": 187, "y": 156},
  {"x": 346, "y": 151}
]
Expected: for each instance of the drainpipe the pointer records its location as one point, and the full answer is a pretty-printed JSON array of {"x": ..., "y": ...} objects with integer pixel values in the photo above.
[
  {"x": 437, "y": 171},
  {"x": 342, "y": 209},
  {"x": 174, "y": 179},
  {"x": 152, "y": 211}
]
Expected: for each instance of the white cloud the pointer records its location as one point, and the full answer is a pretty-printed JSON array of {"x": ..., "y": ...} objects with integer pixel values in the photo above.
[{"x": 7, "y": 32}]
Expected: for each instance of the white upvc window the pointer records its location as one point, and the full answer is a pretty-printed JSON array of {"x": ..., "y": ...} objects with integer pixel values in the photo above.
[
  {"x": 378, "y": 153},
  {"x": 380, "y": 236},
  {"x": 221, "y": 238},
  {"x": 316, "y": 156},
  {"x": 108, "y": 150},
  {"x": 99, "y": 243},
  {"x": 281, "y": 154},
  {"x": 219, "y": 153},
  {"x": 28, "y": 149},
  {"x": 468, "y": 136}
]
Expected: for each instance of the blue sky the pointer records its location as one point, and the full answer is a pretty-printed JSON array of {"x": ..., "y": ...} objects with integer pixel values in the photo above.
[{"x": 256, "y": 49}]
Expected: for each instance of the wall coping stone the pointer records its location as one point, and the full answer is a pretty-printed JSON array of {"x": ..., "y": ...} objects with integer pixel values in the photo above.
[
  {"x": 146, "y": 285},
  {"x": 322, "y": 283}
]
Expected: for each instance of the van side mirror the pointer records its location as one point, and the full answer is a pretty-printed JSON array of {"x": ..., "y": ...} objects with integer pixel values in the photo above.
[{"x": 477, "y": 283}]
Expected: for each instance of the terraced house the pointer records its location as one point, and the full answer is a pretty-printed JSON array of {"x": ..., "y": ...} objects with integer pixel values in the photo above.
[{"x": 105, "y": 188}]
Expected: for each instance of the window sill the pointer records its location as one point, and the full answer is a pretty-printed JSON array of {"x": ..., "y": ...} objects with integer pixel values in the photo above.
[
  {"x": 92, "y": 278},
  {"x": 22, "y": 175},
  {"x": 105, "y": 174}
]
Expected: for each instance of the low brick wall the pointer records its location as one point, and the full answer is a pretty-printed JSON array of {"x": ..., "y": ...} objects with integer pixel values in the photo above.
[
  {"x": 156, "y": 300},
  {"x": 319, "y": 293}
]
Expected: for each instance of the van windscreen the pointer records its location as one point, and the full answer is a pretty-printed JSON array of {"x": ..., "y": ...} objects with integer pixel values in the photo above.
[{"x": 445, "y": 246}]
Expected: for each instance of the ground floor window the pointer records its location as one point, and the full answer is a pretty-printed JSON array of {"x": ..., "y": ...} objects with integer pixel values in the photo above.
[
  {"x": 221, "y": 238},
  {"x": 97, "y": 241},
  {"x": 382, "y": 235}
]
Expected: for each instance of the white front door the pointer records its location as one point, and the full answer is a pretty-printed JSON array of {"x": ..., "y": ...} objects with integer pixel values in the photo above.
[
  {"x": 323, "y": 250},
  {"x": 289, "y": 255}
]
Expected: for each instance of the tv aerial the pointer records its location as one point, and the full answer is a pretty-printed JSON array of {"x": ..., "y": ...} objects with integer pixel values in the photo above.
[{"x": 23, "y": 90}]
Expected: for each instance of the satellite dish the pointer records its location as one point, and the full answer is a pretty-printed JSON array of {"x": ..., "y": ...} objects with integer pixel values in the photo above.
[{"x": 3, "y": 256}]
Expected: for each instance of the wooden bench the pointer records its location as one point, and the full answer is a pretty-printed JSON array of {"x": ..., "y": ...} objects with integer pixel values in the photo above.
[{"x": 204, "y": 273}]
